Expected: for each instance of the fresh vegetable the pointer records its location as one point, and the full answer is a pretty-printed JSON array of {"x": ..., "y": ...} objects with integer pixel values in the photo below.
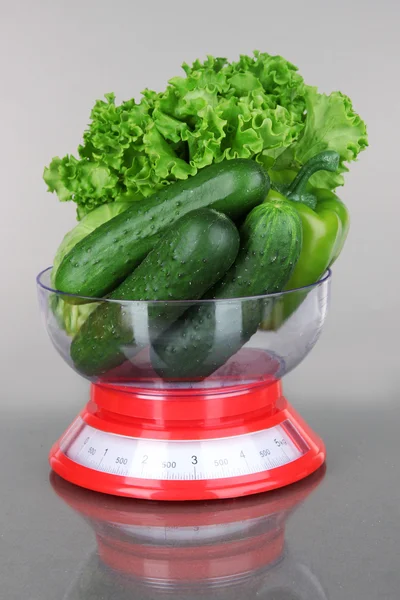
[
  {"x": 92, "y": 221},
  {"x": 257, "y": 107},
  {"x": 325, "y": 223},
  {"x": 71, "y": 316},
  {"x": 213, "y": 139},
  {"x": 298, "y": 189},
  {"x": 101, "y": 260},
  {"x": 208, "y": 334},
  {"x": 324, "y": 229},
  {"x": 324, "y": 217},
  {"x": 328, "y": 201},
  {"x": 271, "y": 239},
  {"x": 331, "y": 124},
  {"x": 189, "y": 259}
]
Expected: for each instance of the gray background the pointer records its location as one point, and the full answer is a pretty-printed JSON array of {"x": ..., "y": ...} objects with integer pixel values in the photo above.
[{"x": 57, "y": 57}]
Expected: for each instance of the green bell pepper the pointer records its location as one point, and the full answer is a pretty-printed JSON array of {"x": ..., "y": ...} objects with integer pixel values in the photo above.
[
  {"x": 324, "y": 217},
  {"x": 325, "y": 221}
]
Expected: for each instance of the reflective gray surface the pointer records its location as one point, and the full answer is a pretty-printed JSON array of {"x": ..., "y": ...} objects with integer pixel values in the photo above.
[{"x": 339, "y": 530}]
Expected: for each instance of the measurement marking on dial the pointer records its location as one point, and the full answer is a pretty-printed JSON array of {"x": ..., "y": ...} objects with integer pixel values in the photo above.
[
  {"x": 187, "y": 460},
  {"x": 105, "y": 453},
  {"x": 87, "y": 440}
]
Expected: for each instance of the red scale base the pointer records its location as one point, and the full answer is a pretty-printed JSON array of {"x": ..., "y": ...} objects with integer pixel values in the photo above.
[{"x": 183, "y": 415}]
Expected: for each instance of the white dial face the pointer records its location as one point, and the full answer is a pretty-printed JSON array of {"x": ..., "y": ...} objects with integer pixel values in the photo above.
[{"x": 182, "y": 460}]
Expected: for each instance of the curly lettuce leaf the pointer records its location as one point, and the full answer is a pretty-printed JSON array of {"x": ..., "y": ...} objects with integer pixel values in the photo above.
[
  {"x": 88, "y": 183},
  {"x": 252, "y": 108},
  {"x": 54, "y": 176},
  {"x": 257, "y": 107},
  {"x": 331, "y": 124}
]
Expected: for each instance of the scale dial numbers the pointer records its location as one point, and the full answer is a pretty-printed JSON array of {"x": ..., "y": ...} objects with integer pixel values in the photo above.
[{"x": 182, "y": 460}]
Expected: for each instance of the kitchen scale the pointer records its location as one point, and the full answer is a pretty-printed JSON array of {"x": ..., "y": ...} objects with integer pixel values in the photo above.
[
  {"x": 231, "y": 549},
  {"x": 228, "y": 435}
]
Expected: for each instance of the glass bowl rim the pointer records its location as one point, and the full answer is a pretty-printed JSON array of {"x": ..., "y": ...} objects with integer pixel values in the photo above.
[{"x": 88, "y": 299}]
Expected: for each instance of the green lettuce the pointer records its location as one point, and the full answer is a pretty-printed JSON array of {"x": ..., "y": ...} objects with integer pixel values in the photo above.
[
  {"x": 258, "y": 107},
  {"x": 331, "y": 124},
  {"x": 71, "y": 316}
]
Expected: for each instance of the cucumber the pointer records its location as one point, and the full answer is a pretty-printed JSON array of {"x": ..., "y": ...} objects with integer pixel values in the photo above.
[
  {"x": 189, "y": 259},
  {"x": 271, "y": 244},
  {"x": 100, "y": 261}
]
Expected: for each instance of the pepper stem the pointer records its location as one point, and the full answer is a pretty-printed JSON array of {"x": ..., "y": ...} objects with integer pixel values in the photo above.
[{"x": 324, "y": 161}]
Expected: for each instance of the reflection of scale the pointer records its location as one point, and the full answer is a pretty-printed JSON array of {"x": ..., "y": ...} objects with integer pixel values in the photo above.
[
  {"x": 230, "y": 434},
  {"x": 233, "y": 549}
]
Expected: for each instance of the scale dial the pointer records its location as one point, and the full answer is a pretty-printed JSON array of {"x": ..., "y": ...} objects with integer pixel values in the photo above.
[{"x": 182, "y": 460}]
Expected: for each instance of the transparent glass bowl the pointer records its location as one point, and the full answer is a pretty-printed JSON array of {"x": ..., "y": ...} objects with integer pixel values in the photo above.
[{"x": 184, "y": 344}]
